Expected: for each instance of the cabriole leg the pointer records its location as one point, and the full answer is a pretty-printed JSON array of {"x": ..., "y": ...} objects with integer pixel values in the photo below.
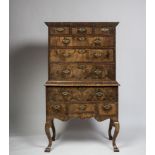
[
  {"x": 48, "y": 134},
  {"x": 116, "y": 125},
  {"x": 110, "y": 128}
]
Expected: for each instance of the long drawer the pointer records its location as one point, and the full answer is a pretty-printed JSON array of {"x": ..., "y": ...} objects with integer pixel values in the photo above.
[
  {"x": 79, "y": 94},
  {"x": 82, "y": 41},
  {"x": 81, "y": 55},
  {"x": 81, "y": 71},
  {"x": 59, "y": 110}
]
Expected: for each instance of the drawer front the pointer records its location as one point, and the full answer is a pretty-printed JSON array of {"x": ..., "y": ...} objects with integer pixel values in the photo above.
[
  {"x": 58, "y": 110},
  {"x": 81, "y": 108},
  {"x": 59, "y": 30},
  {"x": 81, "y": 71},
  {"x": 82, "y": 93},
  {"x": 82, "y": 41},
  {"x": 107, "y": 109},
  {"x": 80, "y": 55},
  {"x": 104, "y": 30},
  {"x": 81, "y": 30}
]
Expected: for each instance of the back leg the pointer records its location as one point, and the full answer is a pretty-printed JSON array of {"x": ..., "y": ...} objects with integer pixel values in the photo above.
[
  {"x": 53, "y": 129},
  {"x": 110, "y": 128}
]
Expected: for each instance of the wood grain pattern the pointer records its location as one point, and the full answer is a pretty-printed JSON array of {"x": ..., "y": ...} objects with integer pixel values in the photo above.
[
  {"x": 81, "y": 55},
  {"x": 81, "y": 71},
  {"x": 81, "y": 41},
  {"x": 79, "y": 94}
]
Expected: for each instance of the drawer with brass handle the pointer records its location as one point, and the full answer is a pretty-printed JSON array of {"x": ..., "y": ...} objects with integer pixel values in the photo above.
[
  {"x": 59, "y": 30},
  {"x": 97, "y": 42},
  {"x": 81, "y": 55},
  {"x": 57, "y": 108},
  {"x": 81, "y": 71},
  {"x": 82, "y": 93},
  {"x": 81, "y": 108},
  {"x": 107, "y": 109}
]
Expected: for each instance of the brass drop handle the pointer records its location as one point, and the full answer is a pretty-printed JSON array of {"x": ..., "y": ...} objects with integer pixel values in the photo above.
[
  {"x": 81, "y": 38},
  {"x": 65, "y": 93},
  {"x": 66, "y": 71},
  {"x": 59, "y": 29},
  {"x": 97, "y": 71},
  {"x": 81, "y": 51},
  {"x": 104, "y": 29},
  {"x": 97, "y": 41},
  {"x": 82, "y": 107},
  {"x": 97, "y": 54},
  {"x": 56, "y": 107},
  {"x": 81, "y": 30},
  {"x": 99, "y": 94},
  {"x": 66, "y": 41},
  {"x": 107, "y": 107}
]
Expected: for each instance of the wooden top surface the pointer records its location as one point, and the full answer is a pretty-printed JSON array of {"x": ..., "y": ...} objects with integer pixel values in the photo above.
[{"x": 113, "y": 24}]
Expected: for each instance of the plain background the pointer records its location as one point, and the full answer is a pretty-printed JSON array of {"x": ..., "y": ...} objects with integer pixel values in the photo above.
[{"x": 28, "y": 73}]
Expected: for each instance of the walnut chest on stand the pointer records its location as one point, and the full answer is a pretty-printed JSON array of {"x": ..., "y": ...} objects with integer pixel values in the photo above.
[{"x": 81, "y": 74}]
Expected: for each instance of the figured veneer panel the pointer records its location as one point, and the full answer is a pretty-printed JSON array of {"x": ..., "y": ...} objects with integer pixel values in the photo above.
[
  {"x": 81, "y": 71},
  {"x": 81, "y": 55}
]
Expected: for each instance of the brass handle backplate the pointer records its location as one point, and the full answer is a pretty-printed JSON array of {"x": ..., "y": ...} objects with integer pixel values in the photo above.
[
  {"x": 66, "y": 71},
  {"x": 59, "y": 29},
  {"x": 98, "y": 71},
  {"x": 81, "y": 38},
  {"x": 97, "y": 41},
  {"x": 81, "y": 51},
  {"x": 82, "y": 107},
  {"x": 81, "y": 30},
  {"x": 97, "y": 54},
  {"x": 107, "y": 107},
  {"x": 104, "y": 29},
  {"x": 99, "y": 94},
  {"x": 81, "y": 66},
  {"x": 65, "y": 93},
  {"x": 66, "y": 54},
  {"x": 66, "y": 41}
]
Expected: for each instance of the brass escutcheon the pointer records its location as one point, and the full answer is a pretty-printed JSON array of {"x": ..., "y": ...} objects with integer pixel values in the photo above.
[{"x": 56, "y": 106}]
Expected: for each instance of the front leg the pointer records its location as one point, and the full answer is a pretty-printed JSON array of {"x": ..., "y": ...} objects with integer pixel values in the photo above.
[
  {"x": 48, "y": 134},
  {"x": 116, "y": 125}
]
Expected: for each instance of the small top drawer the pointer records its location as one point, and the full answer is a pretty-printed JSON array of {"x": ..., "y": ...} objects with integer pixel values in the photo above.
[
  {"x": 81, "y": 30},
  {"x": 59, "y": 30},
  {"x": 104, "y": 30}
]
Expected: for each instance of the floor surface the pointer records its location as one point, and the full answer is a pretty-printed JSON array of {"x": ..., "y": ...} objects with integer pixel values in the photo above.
[{"x": 81, "y": 138}]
